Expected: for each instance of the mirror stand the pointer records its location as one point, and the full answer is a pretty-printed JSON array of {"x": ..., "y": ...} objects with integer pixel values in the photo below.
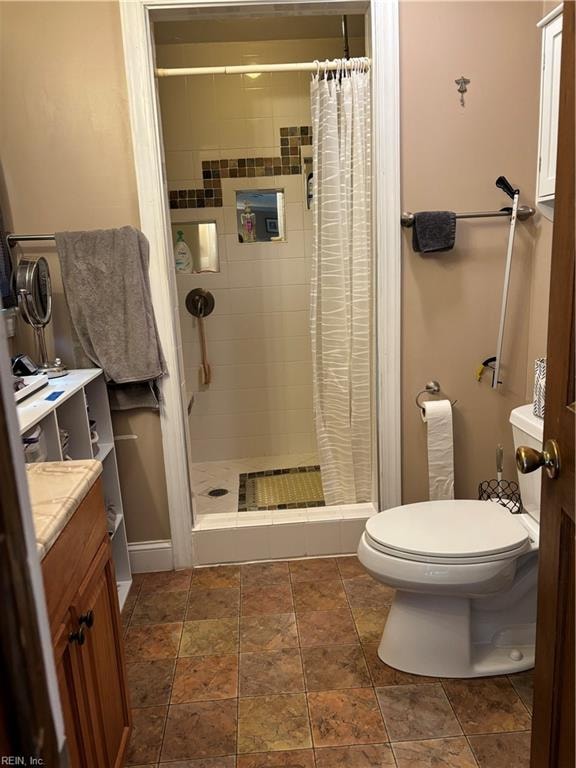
[
  {"x": 35, "y": 301},
  {"x": 51, "y": 368}
]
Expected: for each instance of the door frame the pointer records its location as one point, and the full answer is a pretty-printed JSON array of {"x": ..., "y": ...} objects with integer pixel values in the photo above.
[{"x": 382, "y": 17}]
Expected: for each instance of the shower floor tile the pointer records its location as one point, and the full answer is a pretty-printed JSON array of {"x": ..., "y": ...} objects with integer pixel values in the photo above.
[
  {"x": 291, "y": 488},
  {"x": 312, "y": 688},
  {"x": 212, "y": 475}
]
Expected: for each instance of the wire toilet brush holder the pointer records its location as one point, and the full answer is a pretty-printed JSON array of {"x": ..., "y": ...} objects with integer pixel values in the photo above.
[{"x": 504, "y": 492}]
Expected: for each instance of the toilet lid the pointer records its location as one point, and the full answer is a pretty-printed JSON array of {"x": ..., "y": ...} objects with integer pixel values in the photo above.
[{"x": 448, "y": 529}]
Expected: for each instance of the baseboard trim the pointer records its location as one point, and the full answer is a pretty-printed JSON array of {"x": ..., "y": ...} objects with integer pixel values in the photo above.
[{"x": 147, "y": 556}]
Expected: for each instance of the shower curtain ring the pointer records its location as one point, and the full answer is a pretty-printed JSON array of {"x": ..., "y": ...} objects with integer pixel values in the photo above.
[{"x": 317, "y": 68}]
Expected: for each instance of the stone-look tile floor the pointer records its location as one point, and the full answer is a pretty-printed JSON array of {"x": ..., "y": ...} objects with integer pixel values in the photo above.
[{"x": 274, "y": 665}]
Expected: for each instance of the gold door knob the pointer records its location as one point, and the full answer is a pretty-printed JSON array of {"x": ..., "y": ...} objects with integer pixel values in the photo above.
[{"x": 529, "y": 460}]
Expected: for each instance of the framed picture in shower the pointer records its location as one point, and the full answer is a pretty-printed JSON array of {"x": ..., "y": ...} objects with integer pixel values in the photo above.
[{"x": 272, "y": 226}]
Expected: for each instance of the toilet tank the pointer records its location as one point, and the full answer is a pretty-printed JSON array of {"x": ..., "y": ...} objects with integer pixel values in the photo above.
[{"x": 528, "y": 429}]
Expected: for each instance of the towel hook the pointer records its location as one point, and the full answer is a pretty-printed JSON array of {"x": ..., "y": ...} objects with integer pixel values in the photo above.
[{"x": 430, "y": 388}]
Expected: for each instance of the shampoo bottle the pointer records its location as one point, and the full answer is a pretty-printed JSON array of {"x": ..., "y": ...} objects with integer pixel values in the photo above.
[{"x": 182, "y": 255}]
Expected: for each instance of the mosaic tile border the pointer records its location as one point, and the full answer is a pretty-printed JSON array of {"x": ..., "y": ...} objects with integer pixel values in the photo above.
[
  {"x": 289, "y": 162},
  {"x": 242, "y": 505}
]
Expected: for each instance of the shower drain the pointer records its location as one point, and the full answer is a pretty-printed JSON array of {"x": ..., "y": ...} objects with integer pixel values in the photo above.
[{"x": 215, "y": 492}]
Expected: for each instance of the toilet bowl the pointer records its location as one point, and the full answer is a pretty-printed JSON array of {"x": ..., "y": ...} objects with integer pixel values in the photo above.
[{"x": 465, "y": 574}]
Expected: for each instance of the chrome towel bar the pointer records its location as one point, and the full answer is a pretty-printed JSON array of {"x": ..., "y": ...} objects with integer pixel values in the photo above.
[
  {"x": 524, "y": 212},
  {"x": 13, "y": 239}
]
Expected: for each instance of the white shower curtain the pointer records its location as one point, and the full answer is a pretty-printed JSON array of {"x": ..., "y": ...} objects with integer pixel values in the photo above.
[{"x": 341, "y": 297}]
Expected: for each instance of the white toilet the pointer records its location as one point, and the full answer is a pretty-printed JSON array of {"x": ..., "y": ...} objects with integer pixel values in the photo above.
[{"x": 465, "y": 574}]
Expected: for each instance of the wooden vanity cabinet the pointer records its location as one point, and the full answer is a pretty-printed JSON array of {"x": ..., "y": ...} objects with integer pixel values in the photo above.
[
  {"x": 76, "y": 718},
  {"x": 81, "y": 593}
]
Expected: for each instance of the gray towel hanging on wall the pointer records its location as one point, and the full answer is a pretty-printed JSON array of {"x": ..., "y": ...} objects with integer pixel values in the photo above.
[{"x": 434, "y": 231}]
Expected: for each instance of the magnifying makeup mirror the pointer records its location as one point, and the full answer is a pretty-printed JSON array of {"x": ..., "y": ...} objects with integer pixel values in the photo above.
[{"x": 34, "y": 291}]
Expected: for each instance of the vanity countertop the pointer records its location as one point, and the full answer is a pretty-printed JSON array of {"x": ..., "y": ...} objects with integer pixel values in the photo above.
[{"x": 56, "y": 490}]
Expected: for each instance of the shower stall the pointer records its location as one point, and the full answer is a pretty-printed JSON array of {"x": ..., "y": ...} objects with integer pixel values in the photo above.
[{"x": 266, "y": 128}]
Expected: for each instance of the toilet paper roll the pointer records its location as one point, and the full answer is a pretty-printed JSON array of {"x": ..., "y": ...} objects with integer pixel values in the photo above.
[{"x": 438, "y": 417}]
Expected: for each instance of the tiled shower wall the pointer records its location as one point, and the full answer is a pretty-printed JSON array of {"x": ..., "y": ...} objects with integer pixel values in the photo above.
[{"x": 260, "y": 400}]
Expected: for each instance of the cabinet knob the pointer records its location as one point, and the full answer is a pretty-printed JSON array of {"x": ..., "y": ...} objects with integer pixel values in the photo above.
[
  {"x": 77, "y": 637},
  {"x": 87, "y": 618}
]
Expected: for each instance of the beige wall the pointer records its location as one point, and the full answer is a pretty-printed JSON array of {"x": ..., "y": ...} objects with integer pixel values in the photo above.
[
  {"x": 260, "y": 400},
  {"x": 67, "y": 164},
  {"x": 451, "y": 157}
]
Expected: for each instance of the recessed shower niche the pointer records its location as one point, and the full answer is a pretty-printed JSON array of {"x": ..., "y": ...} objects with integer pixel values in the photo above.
[
  {"x": 201, "y": 237},
  {"x": 261, "y": 215}
]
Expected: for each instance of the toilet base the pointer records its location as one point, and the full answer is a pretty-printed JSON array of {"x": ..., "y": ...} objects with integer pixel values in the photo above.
[{"x": 458, "y": 636}]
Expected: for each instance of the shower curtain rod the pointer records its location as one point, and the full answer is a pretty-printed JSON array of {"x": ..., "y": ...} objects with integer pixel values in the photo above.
[{"x": 253, "y": 69}]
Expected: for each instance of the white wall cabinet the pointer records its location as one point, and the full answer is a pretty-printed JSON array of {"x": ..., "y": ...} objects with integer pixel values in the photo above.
[
  {"x": 68, "y": 403},
  {"x": 551, "y": 26}
]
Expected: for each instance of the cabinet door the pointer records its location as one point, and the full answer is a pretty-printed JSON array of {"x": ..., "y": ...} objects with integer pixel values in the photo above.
[
  {"x": 549, "y": 105},
  {"x": 95, "y": 609},
  {"x": 67, "y": 655}
]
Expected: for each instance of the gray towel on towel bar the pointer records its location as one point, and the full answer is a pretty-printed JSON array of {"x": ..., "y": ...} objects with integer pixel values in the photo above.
[
  {"x": 107, "y": 289},
  {"x": 434, "y": 231}
]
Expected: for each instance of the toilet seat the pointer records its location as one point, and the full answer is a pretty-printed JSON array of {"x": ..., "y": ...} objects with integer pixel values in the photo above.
[{"x": 448, "y": 532}]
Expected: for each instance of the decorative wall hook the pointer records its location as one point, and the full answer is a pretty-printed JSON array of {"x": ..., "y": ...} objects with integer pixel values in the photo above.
[{"x": 462, "y": 83}]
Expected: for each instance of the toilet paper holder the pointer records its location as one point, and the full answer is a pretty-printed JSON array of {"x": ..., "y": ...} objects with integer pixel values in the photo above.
[{"x": 430, "y": 388}]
